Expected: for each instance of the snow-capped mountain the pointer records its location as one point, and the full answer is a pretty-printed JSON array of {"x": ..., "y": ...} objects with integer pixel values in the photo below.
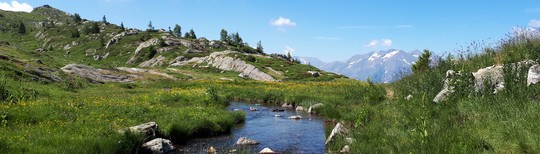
[{"x": 380, "y": 66}]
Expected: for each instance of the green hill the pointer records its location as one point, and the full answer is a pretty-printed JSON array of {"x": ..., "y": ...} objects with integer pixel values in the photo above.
[{"x": 68, "y": 85}]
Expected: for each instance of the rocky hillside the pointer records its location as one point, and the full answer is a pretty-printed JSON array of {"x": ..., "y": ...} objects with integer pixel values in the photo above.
[
  {"x": 381, "y": 66},
  {"x": 53, "y": 39}
]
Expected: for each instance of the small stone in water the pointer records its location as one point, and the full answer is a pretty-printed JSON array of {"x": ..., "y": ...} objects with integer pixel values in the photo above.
[
  {"x": 212, "y": 150},
  {"x": 267, "y": 151},
  {"x": 295, "y": 117}
]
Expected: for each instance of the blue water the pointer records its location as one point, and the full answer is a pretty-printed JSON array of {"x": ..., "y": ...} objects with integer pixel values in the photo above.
[{"x": 280, "y": 134}]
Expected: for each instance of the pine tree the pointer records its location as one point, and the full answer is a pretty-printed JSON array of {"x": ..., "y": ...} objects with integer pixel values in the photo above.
[
  {"x": 177, "y": 31},
  {"x": 105, "y": 20},
  {"x": 192, "y": 34},
  {"x": 122, "y": 26},
  {"x": 77, "y": 18},
  {"x": 422, "y": 64},
  {"x": 224, "y": 35},
  {"x": 186, "y": 35},
  {"x": 289, "y": 57},
  {"x": 259, "y": 47},
  {"x": 150, "y": 26},
  {"x": 236, "y": 39}
]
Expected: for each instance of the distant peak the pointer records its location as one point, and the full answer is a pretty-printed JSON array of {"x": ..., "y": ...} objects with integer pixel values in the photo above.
[
  {"x": 46, "y": 6},
  {"x": 391, "y": 54}
]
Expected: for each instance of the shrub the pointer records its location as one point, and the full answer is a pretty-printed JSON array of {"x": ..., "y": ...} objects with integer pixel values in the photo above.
[
  {"x": 22, "y": 28},
  {"x": 145, "y": 37},
  {"x": 93, "y": 29},
  {"x": 75, "y": 33},
  {"x": 251, "y": 58}
]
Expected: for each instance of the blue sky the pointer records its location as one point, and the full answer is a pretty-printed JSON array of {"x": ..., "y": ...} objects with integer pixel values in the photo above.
[{"x": 327, "y": 29}]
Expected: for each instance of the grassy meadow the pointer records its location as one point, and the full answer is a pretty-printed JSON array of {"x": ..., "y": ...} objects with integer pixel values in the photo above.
[{"x": 41, "y": 114}]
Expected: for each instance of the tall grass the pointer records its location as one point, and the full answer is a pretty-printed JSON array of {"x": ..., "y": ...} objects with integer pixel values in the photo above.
[{"x": 469, "y": 122}]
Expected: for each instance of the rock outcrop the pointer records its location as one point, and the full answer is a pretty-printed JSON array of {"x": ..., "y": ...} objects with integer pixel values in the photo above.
[
  {"x": 146, "y": 44},
  {"x": 140, "y": 70},
  {"x": 314, "y": 73},
  {"x": 286, "y": 105},
  {"x": 116, "y": 38},
  {"x": 156, "y": 61},
  {"x": 221, "y": 61},
  {"x": 448, "y": 87},
  {"x": 492, "y": 75},
  {"x": 312, "y": 109},
  {"x": 159, "y": 146},
  {"x": 96, "y": 75},
  {"x": 149, "y": 129},
  {"x": 338, "y": 130},
  {"x": 246, "y": 141},
  {"x": 179, "y": 61},
  {"x": 533, "y": 76},
  {"x": 193, "y": 51},
  {"x": 300, "y": 108},
  {"x": 44, "y": 73}
]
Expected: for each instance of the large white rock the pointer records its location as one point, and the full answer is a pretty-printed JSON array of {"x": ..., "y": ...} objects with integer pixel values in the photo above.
[
  {"x": 246, "y": 141},
  {"x": 533, "y": 76},
  {"x": 296, "y": 117},
  {"x": 149, "y": 129},
  {"x": 159, "y": 146},
  {"x": 212, "y": 150},
  {"x": 267, "y": 151},
  {"x": 145, "y": 71},
  {"x": 222, "y": 61},
  {"x": 146, "y": 44},
  {"x": 286, "y": 105},
  {"x": 312, "y": 108},
  {"x": 338, "y": 129},
  {"x": 448, "y": 87},
  {"x": 492, "y": 75},
  {"x": 115, "y": 39},
  {"x": 96, "y": 75},
  {"x": 345, "y": 149},
  {"x": 300, "y": 108},
  {"x": 156, "y": 61}
]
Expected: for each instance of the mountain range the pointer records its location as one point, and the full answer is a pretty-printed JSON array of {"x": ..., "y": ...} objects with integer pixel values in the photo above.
[{"x": 379, "y": 66}]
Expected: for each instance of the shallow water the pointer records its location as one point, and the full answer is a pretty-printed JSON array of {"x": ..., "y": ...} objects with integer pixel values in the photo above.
[{"x": 280, "y": 134}]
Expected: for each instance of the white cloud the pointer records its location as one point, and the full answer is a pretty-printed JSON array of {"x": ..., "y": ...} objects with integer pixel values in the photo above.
[
  {"x": 534, "y": 23},
  {"x": 533, "y": 29},
  {"x": 382, "y": 42},
  {"x": 282, "y": 22},
  {"x": 386, "y": 42},
  {"x": 16, "y": 6},
  {"x": 373, "y": 43},
  {"x": 288, "y": 50}
]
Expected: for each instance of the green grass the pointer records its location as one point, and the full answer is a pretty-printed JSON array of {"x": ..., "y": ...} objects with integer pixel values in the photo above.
[
  {"x": 38, "y": 115},
  {"x": 468, "y": 122}
]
